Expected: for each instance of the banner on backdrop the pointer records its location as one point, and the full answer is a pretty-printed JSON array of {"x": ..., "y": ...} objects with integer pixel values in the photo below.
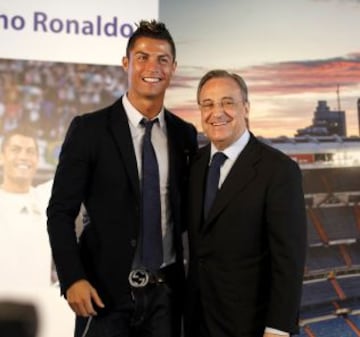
[{"x": 71, "y": 31}]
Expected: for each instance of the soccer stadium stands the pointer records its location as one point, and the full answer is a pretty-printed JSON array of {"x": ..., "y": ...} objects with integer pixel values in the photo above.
[
  {"x": 330, "y": 305},
  {"x": 48, "y": 95},
  {"x": 324, "y": 258},
  {"x": 336, "y": 327}
]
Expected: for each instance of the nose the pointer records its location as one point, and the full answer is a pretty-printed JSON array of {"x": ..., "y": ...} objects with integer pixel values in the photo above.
[
  {"x": 218, "y": 108},
  {"x": 152, "y": 64},
  {"x": 23, "y": 154}
]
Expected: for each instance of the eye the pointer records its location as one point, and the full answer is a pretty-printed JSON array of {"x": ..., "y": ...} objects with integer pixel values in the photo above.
[
  {"x": 164, "y": 60},
  {"x": 15, "y": 149},
  {"x": 228, "y": 104},
  {"x": 141, "y": 57},
  {"x": 31, "y": 152},
  {"x": 207, "y": 106}
]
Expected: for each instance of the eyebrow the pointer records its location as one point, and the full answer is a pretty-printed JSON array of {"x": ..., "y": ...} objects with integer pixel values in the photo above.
[
  {"x": 148, "y": 54},
  {"x": 222, "y": 98},
  {"x": 12, "y": 145}
]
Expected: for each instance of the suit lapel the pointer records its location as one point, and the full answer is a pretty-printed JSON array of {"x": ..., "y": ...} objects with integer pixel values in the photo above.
[
  {"x": 173, "y": 147},
  {"x": 120, "y": 130},
  {"x": 197, "y": 185},
  {"x": 175, "y": 151},
  {"x": 242, "y": 172}
]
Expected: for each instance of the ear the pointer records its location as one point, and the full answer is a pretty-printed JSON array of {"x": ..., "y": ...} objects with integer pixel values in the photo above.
[
  {"x": 174, "y": 66},
  {"x": 246, "y": 109},
  {"x": 125, "y": 63}
]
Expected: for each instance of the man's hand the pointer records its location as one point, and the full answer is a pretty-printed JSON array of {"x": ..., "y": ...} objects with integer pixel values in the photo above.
[
  {"x": 269, "y": 334},
  {"x": 81, "y": 296}
]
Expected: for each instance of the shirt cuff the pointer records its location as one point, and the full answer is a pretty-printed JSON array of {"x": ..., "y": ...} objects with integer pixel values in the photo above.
[{"x": 276, "y": 332}]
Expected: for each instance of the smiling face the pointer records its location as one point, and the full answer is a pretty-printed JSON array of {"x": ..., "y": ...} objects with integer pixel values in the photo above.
[
  {"x": 223, "y": 111},
  {"x": 20, "y": 160},
  {"x": 150, "y": 66}
]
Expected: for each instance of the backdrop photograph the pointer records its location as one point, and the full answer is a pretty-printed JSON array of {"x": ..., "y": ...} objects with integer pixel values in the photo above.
[{"x": 301, "y": 61}]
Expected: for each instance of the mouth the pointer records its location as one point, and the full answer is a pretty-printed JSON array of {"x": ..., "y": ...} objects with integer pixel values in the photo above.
[
  {"x": 151, "y": 79},
  {"x": 23, "y": 166},
  {"x": 219, "y": 123}
]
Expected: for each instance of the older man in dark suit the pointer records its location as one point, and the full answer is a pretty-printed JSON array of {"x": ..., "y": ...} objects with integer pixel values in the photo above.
[
  {"x": 128, "y": 164},
  {"x": 247, "y": 224}
]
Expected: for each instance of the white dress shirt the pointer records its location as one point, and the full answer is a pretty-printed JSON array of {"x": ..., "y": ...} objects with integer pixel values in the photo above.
[
  {"x": 232, "y": 152},
  {"x": 160, "y": 144}
]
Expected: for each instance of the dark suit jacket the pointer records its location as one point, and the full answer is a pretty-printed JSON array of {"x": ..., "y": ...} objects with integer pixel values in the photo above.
[
  {"x": 247, "y": 258},
  {"x": 97, "y": 166}
]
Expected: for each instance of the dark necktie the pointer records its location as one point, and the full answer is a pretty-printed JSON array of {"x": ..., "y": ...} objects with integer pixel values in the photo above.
[
  {"x": 212, "y": 180},
  {"x": 152, "y": 251}
]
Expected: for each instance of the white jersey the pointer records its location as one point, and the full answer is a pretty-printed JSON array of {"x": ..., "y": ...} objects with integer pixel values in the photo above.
[
  {"x": 25, "y": 256},
  {"x": 25, "y": 260}
]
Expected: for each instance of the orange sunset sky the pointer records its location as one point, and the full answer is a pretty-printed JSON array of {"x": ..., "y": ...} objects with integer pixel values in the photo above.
[{"x": 291, "y": 54}]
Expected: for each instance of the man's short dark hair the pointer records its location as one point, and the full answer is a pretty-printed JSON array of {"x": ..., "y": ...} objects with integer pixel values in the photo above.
[
  {"x": 154, "y": 30},
  {"x": 220, "y": 73},
  {"x": 23, "y": 130}
]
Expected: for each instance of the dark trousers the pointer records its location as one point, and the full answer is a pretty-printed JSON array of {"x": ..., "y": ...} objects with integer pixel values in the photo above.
[
  {"x": 197, "y": 325},
  {"x": 155, "y": 311}
]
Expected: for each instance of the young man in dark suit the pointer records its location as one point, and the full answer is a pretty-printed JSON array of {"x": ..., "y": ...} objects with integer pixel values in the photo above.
[
  {"x": 247, "y": 227},
  {"x": 104, "y": 163}
]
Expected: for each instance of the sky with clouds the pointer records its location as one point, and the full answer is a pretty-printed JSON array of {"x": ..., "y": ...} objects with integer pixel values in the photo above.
[{"x": 292, "y": 53}]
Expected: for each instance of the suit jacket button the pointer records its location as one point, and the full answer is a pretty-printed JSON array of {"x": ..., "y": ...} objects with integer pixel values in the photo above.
[{"x": 133, "y": 243}]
